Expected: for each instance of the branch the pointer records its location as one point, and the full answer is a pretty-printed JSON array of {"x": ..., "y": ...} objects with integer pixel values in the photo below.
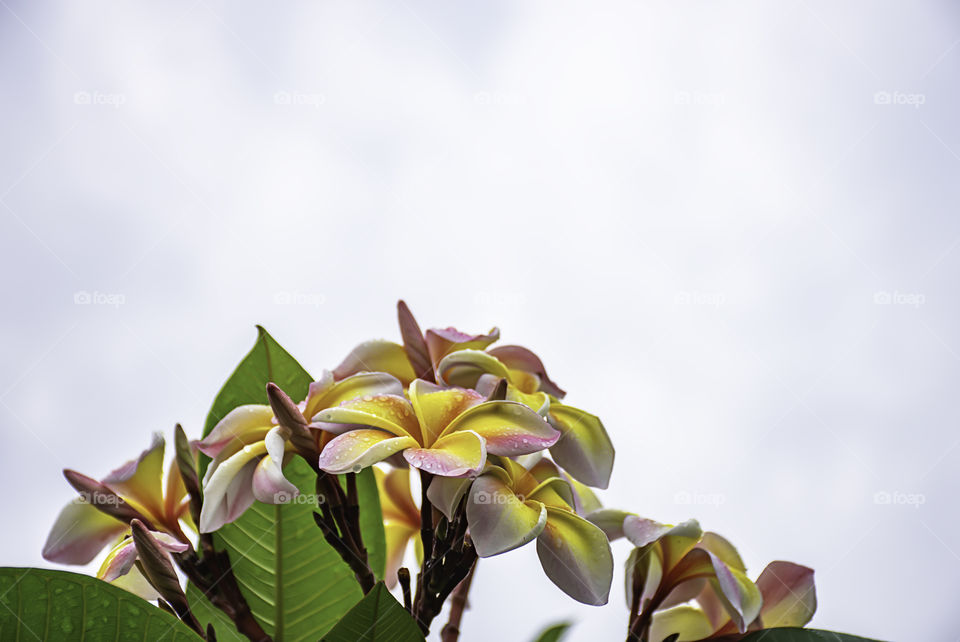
[
  {"x": 458, "y": 602},
  {"x": 213, "y": 575}
]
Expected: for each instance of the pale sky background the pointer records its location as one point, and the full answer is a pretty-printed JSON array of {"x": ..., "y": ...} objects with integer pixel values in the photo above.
[{"x": 729, "y": 229}]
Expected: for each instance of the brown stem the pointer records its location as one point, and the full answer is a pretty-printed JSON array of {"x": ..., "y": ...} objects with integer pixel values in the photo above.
[
  {"x": 451, "y": 557},
  {"x": 640, "y": 629},
  {"x": 637, "y": 587},
  {"x": 458, "y": 602},
  {"x": 403, "y": 577},
  {"x": 213, "y": 575},
  {"x": 426, "y": 515},
  {"x": 340, "y": 526}
]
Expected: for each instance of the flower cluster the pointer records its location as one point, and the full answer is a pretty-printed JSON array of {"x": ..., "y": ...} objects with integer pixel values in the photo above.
[{"x": 501, "y": 460}]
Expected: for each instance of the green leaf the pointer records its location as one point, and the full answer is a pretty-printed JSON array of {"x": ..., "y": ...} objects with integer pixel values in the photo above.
[
  {"x": 371, "y": 522},
  {"x": 378, "y": 617},
  {"x": 42, "y": 604},
  {"x": 789, "y": 634},
  {"x": 295, "y": 583},
  {"x": 554, "y": 632},
  {"x": 207, "y": 613},
  {"x": 267, "y": 361}
]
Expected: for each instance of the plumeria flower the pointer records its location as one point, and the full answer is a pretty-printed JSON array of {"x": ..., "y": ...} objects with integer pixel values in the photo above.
[
  {"x": 118, "y": 567},
  {"x": 248, "y": 447},
  {"x": 401, "y": 519},
  {"x": 102, "y": 514},
  {"x": 585, "y": 449},
  {"x": 442, "y": 431},
  {"x": 789, "y": 600},
  {"x": 584, "y": 500},
  {"x": 393, "y": 358},
  {"x": 675, "y": 564},
  {"x": 507, "y": 506}
]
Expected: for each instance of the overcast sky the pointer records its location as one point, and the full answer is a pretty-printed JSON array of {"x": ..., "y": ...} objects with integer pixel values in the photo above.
[{"x": 729, "y": 229}]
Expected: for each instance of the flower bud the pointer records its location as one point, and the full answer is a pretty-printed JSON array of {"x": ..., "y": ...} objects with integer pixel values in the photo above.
[
  {"x": 101, "y": 497},
  {"x": 289, "y": 416}
]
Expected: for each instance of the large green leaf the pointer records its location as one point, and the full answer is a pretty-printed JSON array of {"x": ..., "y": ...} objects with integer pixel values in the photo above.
[
  {"x": 554, "y": 632},
  {"x": 295, "y": 583},
  {"x": 42, "y": 604},
  {"x": 267, "y": 361},
  {"x": 378, "y": 617},
  {"x": 789, "y": 634}
]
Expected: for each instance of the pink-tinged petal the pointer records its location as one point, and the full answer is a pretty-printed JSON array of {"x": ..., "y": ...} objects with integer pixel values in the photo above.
[
  {"x": 674, "y": 544},
  {"x": 610, "y": 521},
  {"x": 228, "y": 492},
  {"x": 242, "y": 426},
  {"x": 456, "y": 455},
  {"x": 436, "y": 407},
  {"x": 675, "y": 541},
  {"x": 687, "y": 622},
  {"x": 326, "y": 393},
  {"x": 723, "y": 549},
  {"x": 789, "y": 595},
  {"x": 355, "y": 450},
  {"x": 737, "y": 593},
  {"x": 269, "y": 484},
  {"x": 118, "y": 561},
  {"x": 80, "y": 532},
  {"x": 443, "y": 341},
  {"x": 414, "y": 343},
  {"x": 121, "y": 558},
  {"x": 377, "y": 356},
  {"x": 584, "y": 449},
  {"x": 391, "y": 413},
  {"x": 499, "y": 520},
  {"x": 576, "y": 556},
  {"x": 520, "y": 358},
  {"x": 465, "y": 368},
  {"x": 509, "y": 428},
  {"x": 642, "y": 531},
  {"x": 141, "y": 479},
  {"x": 445, "y": 494},
  {"x": 169, "y": 542}
]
